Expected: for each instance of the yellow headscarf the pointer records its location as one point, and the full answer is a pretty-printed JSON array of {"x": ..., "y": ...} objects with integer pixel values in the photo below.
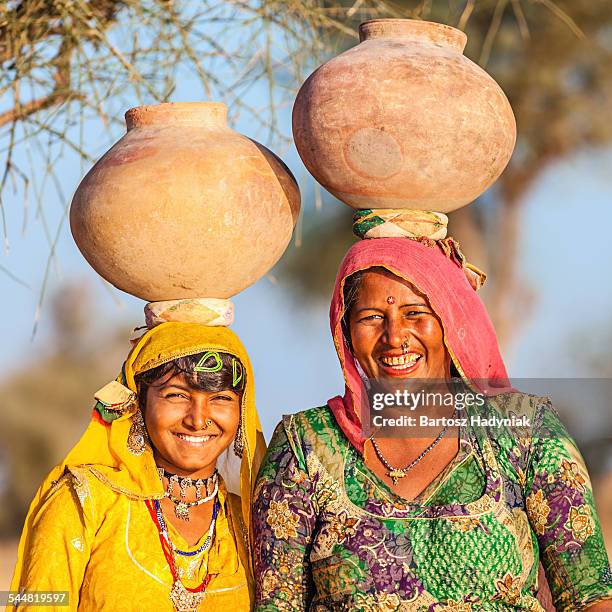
[{"x": 103, "y": 446}]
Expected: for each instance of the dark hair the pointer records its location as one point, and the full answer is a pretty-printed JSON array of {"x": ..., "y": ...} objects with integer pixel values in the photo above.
[
  {"x": 350, "y": 293},
  {"x": 220, "y": 380}
]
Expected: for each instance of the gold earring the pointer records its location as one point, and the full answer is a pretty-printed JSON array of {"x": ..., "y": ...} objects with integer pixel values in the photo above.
[{"x": 137, "y": 438}]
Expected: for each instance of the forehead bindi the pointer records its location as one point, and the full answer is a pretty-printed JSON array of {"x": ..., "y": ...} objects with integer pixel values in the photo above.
[{"x": 380, "y": 289}]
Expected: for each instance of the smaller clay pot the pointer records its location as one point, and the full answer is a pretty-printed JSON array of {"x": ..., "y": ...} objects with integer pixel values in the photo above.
[{"x": 184, "y": 207}]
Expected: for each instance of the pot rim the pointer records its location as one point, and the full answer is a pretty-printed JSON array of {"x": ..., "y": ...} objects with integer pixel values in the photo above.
[
  {"x": 209, "y": 114},
  {"x": 419, "y": 29}
]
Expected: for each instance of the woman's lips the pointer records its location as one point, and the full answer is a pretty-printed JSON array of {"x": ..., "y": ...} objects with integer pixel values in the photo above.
[
  {"x": 399, "y": 365},
  {"x": 194, "y": 440}
]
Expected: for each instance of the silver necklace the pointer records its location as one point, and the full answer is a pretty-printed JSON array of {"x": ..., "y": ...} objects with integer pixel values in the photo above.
[
  {"x": 396, "y": 473},
  {"x": 181, "y": 507},
  {"x": 210, "y": 486}
]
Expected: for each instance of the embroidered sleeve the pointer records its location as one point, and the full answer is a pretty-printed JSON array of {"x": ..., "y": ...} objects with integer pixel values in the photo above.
[
  {"x": 561, "y": 510},
  {"x": 284, "y": 519},
  {"x": 56, "y": 544}
]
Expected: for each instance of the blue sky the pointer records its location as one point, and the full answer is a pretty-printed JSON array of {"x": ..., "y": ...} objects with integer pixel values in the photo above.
[
  {"x": 293, "y": 356},
  {"x": 565, "y": 257}
]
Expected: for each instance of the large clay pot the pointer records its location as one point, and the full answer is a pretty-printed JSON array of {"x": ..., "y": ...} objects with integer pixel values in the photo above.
[
  {"x": 183, "y": 207},
  {"x": 404, "y": 120}
]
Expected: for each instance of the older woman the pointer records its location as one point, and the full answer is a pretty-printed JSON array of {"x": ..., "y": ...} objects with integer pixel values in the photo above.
[
  {"x": 151, "y": 509},
  {"x": 349, "y": 520}
]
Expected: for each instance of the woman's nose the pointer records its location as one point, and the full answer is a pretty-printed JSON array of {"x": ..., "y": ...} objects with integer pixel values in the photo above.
[
  {"x": 197, "y": 418},
  {"x": 395, "y": 332}
]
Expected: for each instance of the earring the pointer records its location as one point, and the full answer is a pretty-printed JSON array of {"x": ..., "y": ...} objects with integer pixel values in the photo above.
[
  {"x": 137, "y": 438},
  {"x": 239, "y": 442}
]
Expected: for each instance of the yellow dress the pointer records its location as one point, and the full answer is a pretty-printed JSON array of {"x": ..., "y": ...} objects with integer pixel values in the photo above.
[{"x": 90, "y": 533}]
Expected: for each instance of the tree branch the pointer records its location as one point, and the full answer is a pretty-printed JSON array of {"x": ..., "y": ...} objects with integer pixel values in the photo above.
[{"x": 61, "y": 92}]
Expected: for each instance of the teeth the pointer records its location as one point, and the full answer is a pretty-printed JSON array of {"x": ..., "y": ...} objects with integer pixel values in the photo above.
[
  {"x": 402, "y": 360},
  {"x": 193, "y": 439}
]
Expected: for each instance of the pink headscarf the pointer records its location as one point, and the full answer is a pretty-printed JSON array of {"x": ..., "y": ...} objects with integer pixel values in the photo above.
[{"x": 468, "y": 333}]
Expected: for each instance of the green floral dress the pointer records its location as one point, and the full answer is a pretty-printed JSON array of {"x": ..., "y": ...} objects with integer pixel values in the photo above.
[{"x": 330, "y": 535}]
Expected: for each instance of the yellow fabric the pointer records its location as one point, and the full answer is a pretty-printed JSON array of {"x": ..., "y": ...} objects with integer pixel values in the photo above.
[{"x": 88, "y": 530}]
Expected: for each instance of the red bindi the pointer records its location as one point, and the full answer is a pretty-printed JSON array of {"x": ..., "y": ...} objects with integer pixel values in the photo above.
[{"x": 390, "y": 300}]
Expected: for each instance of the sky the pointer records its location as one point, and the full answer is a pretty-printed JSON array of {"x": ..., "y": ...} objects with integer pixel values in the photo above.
[
  {"x": 564, "y": 257},
  {"x": 294, "y": 360}
]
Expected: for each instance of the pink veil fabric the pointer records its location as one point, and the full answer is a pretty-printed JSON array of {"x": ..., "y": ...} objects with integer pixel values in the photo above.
[{"x": 468, "y": 333}]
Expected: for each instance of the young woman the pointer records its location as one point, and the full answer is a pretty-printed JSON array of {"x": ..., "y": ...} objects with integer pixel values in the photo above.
[{"x": 151, "y": 509}]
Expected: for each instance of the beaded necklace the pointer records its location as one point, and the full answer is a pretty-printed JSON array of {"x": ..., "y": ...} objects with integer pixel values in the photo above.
[
  {"x": 186, "y": 553},
  {"x": 181, "y": 508},
  {"x": 184, "y": 599}
]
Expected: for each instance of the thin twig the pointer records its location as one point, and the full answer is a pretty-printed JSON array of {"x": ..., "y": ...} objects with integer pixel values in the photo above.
[
  {"x": 15, "y": 278},
  {"x": 465, "y": 15},
  {"x": 520, "y": 19},
  {"x": 500, "y": 7},
  {"x": 563, "y": 16},
  {"x": 43, "y": 289}
]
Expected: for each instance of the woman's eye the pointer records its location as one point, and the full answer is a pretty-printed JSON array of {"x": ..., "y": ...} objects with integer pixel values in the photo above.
[
  {"x": 369, "y": 318},
  {"x": 416, "y": 313},
  {"x": 224, "y": 398},
  {"x": 175, "y": 395}
]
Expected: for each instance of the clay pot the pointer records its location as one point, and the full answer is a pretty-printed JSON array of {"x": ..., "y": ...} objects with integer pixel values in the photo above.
[
  {"x": 183, "y": 207},
  {"x": 404, "y": 120}
]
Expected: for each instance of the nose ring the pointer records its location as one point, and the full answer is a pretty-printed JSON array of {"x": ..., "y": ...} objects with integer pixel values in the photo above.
[
  {"x": 406, "y": 346},
  {"x": 207, "y": 423}
]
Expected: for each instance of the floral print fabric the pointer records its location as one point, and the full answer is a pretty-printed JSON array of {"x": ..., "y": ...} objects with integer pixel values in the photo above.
[{"x": 330, "y": 535}]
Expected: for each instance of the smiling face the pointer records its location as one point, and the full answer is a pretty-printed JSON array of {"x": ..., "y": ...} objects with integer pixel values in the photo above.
[
  {"x": 394, "y": 332},
  {"x": 189, "y": 428}
]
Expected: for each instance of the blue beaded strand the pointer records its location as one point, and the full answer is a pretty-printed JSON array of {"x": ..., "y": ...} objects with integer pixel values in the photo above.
[{"x": 185, "y": 553}]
